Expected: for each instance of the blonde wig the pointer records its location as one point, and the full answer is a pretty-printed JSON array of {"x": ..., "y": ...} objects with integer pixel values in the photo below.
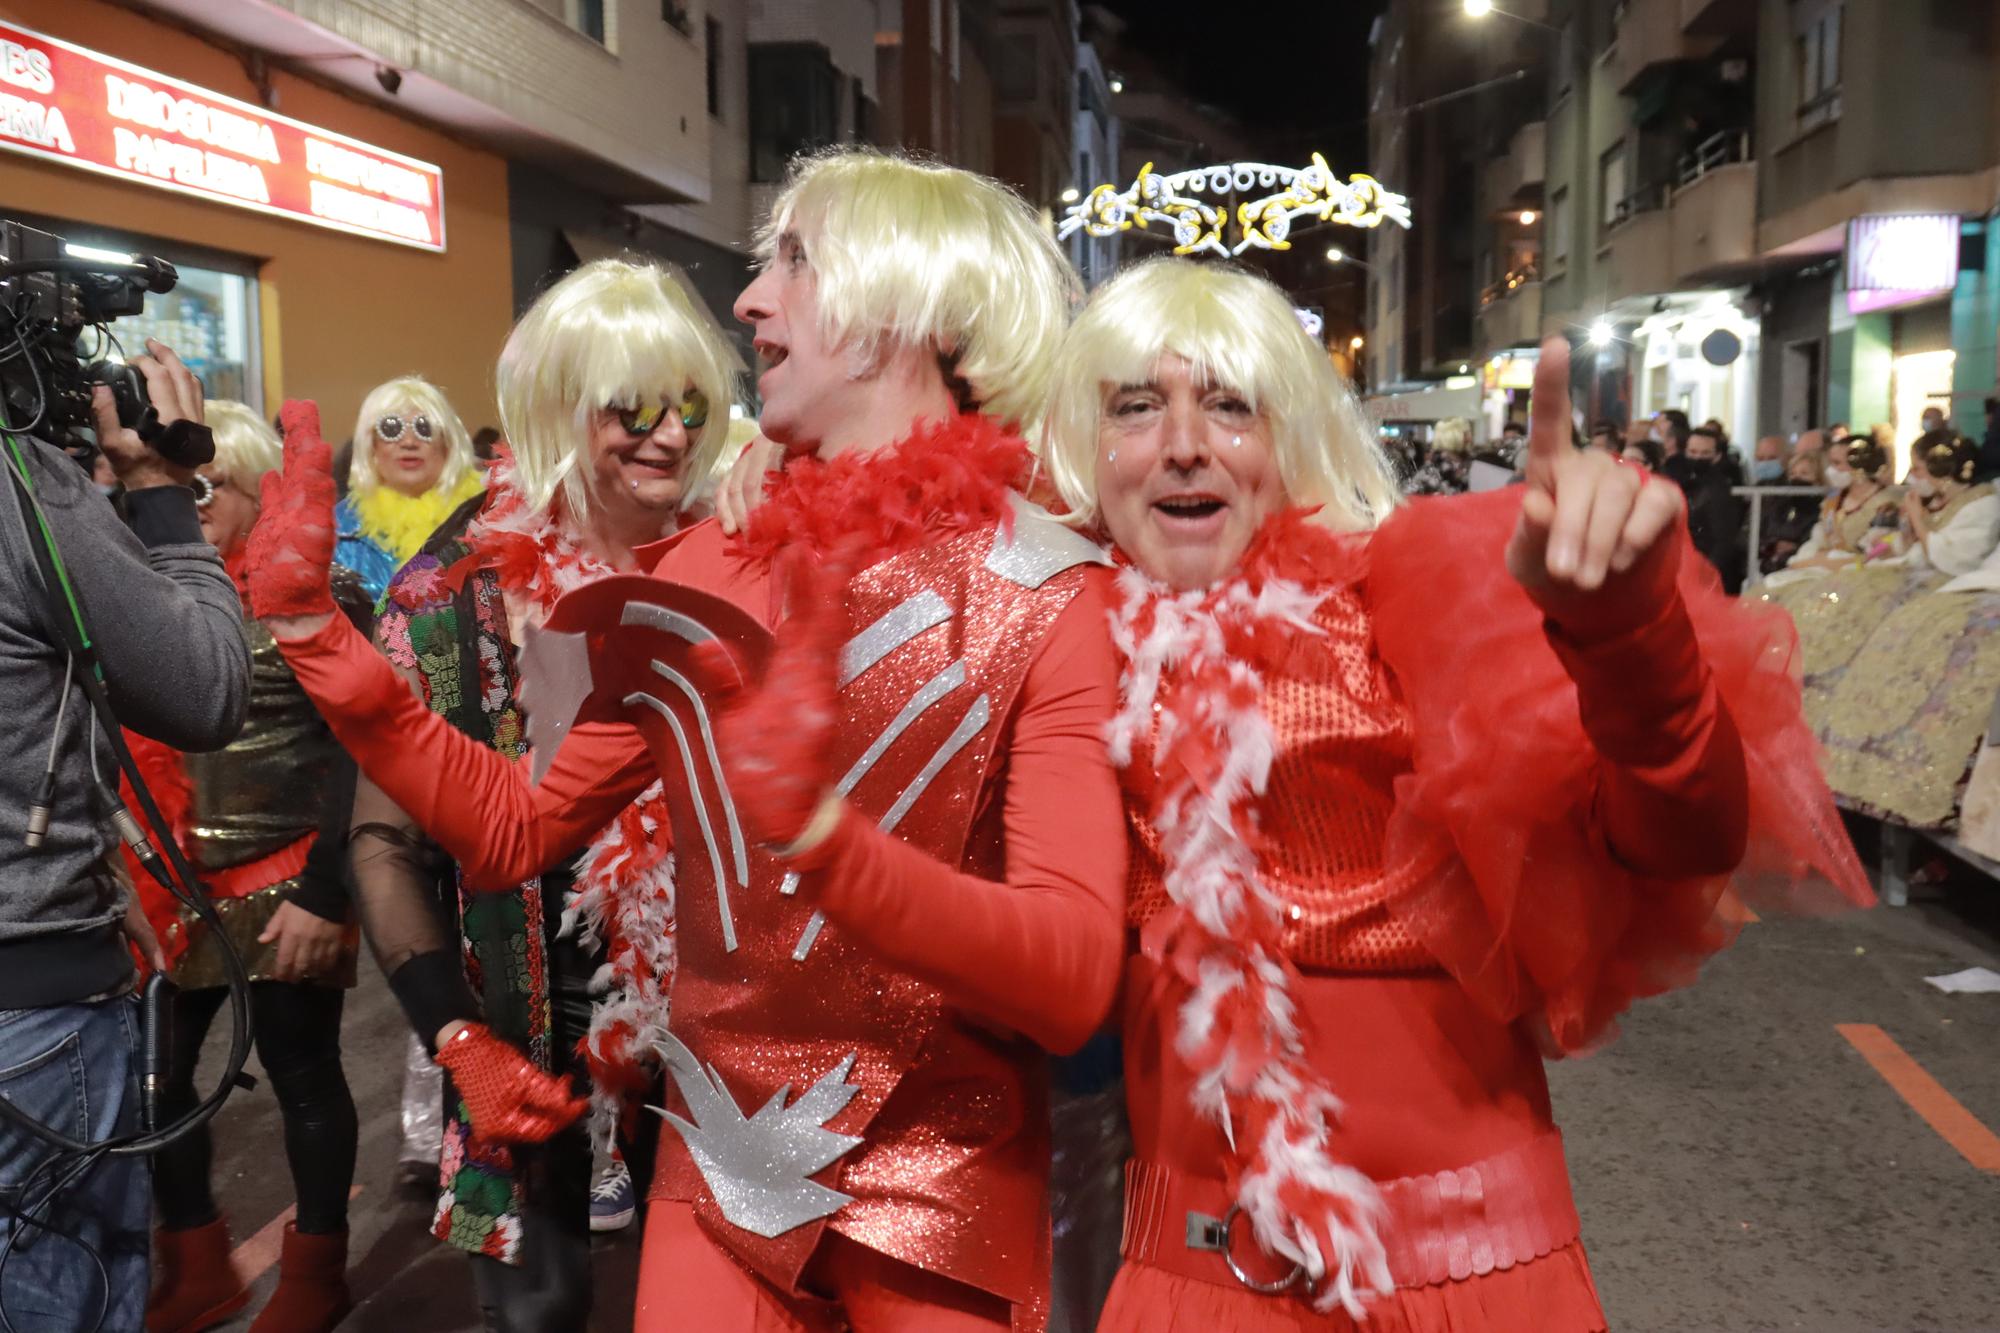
[
  {"x": 245, "y": 445},
  {"x": 612, "y": 334},
  {"x": 409, "y": 396},
  {"x": 920, "y": 255},
  {"x": 1236, "y": 330}
]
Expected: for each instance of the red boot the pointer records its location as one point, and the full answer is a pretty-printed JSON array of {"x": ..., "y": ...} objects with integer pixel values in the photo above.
[
  {"x": 198, "y": 1284},
  {"x": 312, "y": 1285}
]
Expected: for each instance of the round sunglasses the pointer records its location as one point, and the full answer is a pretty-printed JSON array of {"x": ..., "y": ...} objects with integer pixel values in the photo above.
[{"x": 390, "y": 428}]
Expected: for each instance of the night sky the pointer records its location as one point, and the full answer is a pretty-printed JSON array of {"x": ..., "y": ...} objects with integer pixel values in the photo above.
[{"x": 1295, "y": 72}]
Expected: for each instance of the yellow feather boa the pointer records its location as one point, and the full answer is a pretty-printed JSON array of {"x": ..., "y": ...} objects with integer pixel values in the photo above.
[{"x": 401, "y": 524}]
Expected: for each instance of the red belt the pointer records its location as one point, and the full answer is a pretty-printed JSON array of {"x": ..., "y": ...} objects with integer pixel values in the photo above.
[{"x": 1493, "y": 1214}]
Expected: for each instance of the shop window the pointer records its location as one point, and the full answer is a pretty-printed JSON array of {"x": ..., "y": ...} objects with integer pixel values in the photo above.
[
  {"x": 794, "y": 105},
  {"x": 712, "y": 58},
  {"x": 207, "y": 319}
]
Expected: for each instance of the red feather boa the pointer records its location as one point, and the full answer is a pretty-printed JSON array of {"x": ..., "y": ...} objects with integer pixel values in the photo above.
[{"x": 944, "y": 477}]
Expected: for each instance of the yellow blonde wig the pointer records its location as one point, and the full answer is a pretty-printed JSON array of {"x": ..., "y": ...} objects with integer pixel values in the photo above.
[
  {"x": 245, "y": 445},
  {"x": 1235, "y": 330},
  {"x": 406, "y": 397},
  {"x": 612, "y": 334},
  {"x": 922, "y": 255}
]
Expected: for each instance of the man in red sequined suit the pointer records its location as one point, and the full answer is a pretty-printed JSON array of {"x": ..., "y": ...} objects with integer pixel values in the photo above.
[
  {"x": 1419, "y": 796},
  {"x": 900, "y": 863}
]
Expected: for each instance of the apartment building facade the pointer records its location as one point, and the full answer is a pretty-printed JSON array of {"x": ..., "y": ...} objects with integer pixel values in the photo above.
[{"x": 1775, "y": 214}]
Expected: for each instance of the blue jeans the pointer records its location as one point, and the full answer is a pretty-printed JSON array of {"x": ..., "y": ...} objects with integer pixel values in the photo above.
[{"x": 71, "y": 1067}]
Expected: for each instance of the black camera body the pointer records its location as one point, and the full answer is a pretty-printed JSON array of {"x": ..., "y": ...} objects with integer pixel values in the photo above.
[{"x": 48, "y": 297}]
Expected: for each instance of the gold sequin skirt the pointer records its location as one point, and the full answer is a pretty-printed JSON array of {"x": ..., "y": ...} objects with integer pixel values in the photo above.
[{"x": 243, "y": 920}]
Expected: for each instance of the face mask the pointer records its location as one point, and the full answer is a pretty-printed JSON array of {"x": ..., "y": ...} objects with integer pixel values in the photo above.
[
  {"x": 107, "y": 489},
  {"x": 1768, "y": 471},
  {"x": 1658, "y": 435},
  {"x": 1923, "y": 485},
  {"x": 1839, "y": 478}
]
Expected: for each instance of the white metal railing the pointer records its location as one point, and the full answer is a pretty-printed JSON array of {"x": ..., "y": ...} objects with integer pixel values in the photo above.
[
  {"x": 1755, "y": 494},
  {"x": 1717, "y": 150}
]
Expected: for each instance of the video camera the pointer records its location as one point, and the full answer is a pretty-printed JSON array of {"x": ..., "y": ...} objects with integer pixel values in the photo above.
[{"x": 48, "y": 297}]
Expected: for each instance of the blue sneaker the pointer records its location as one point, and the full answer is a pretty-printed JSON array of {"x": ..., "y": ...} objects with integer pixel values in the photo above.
[{"x": 613, "y": 1204}]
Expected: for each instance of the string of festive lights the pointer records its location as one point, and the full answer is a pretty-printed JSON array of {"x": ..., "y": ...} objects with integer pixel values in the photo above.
[{"x": 1263, "y": 223}]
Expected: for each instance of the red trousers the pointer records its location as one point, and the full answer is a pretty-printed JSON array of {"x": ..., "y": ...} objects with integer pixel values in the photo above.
[{"x": 688, "y": 1285}]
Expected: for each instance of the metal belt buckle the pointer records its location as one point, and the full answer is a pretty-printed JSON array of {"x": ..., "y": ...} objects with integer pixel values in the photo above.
[{"x": 1213, "y": 1234}]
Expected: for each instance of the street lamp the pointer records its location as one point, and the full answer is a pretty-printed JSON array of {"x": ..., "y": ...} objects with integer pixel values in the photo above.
[
  {"x": 1117, "y": 85},
  {"x": 1600, "y": 334},
  {"x": 1478, "y": 9},
  {"x": 1528, "y": 216},
  {"x": 1354, "y": 344},
  {"x": 1071, "y": 195},
  {"x": 1336, "y": 254}
]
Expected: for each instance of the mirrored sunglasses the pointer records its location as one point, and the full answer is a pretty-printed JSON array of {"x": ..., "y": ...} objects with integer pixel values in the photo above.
[{"x": 643, "y": 420}]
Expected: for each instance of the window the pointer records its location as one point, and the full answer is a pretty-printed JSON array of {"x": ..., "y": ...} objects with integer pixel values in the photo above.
[
  {"x": 1612, "y": 185},
  {"x": 587, "y": 17},
  {"x": 1819, "y": 66},
  {"x": 794, "y": 105},
  {"x": 1015, "y": 77},
  {"x": 864, "y": 115},
  {"x": 712, "y": 52},
  {"x": 1558, "y": 221},
  {"x": 673, "y": 13}
]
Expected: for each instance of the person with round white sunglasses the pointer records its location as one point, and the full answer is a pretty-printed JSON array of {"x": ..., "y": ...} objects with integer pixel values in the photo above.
[{"x": 413, "y": 465}]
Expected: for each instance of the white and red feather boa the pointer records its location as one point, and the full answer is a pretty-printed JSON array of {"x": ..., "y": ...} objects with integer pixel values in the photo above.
[
  {"x": 1196, "y": 664},
  {"x": 624, "y": 891}
]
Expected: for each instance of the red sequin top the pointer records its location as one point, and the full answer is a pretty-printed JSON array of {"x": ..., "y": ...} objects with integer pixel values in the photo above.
[{"x": 1344, "y": 737}]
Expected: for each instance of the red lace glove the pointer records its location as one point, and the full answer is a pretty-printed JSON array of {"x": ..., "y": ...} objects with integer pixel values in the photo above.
[
  {"x": 508, "y": 1099},
  {"x": 775, "y": 737},
  {"x": 290, "y": 552}
]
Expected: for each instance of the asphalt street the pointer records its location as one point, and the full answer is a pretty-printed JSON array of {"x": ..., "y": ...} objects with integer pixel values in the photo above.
[{"x": 1804, "y": 1140}]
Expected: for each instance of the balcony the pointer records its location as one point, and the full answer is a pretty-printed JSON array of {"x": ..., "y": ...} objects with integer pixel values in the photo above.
[
  {"x": 1650, "y": 34},
  {"x": 1522, "y": 167},
  {"x": 1696, "y": 229},
  {"x": 1636, "y": 258},
  {"x": 1718, "y": 18},
  {"x": 1510, "y": 316},
  {"x": 1714, "y": 209}
]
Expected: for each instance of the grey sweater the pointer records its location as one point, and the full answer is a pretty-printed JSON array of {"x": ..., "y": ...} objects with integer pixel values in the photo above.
[{"x": 166, "y": 621}]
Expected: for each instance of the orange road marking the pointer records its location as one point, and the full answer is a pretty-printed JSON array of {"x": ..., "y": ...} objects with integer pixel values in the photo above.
[
  {"x": 258, "y": 1253},
  {"x": 1926, "y": 1096}
]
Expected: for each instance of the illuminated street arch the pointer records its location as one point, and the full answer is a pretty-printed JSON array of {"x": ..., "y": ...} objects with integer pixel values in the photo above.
[{"x": 1262, "y": 223}]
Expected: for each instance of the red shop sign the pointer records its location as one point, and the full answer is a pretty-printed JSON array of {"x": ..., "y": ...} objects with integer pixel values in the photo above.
[{"x": 62, "y": 102}]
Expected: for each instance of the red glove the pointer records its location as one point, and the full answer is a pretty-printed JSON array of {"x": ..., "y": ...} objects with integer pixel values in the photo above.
[
  {"x": 775, "y": 738},
  {"x": 290, "y": 553},
  {"x": 508, "y": 1099}
]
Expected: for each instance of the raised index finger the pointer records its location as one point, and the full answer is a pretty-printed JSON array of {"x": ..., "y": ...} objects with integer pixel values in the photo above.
[{"x": 1548, "y": 416}]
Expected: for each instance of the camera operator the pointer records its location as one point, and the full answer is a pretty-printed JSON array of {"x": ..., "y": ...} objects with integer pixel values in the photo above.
[{"x": 165, "y": 620}]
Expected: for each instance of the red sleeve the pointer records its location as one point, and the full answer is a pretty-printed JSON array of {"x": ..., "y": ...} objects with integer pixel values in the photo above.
[
  {"x": 1584, "y": 802},
  {"x": 1672, "y": 795},
  {"x": 1038, "y": 953},
  {"x": 472, "y": 799}
]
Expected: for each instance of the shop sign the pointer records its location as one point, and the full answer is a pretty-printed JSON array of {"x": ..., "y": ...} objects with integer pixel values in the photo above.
[
  {"x": 1895, "y": 259},
  {"x": 1511, "y": 372},
  {"x": 62, "y": 102}
]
